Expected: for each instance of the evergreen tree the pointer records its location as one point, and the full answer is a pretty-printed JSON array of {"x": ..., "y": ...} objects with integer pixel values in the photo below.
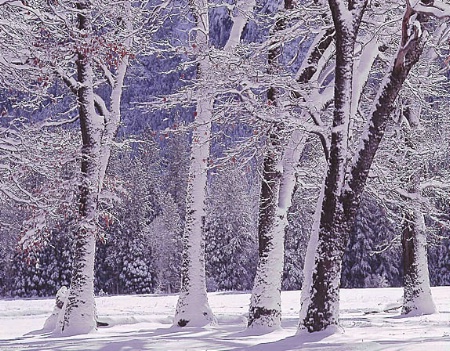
[
  {"x": 42, "y": 272},
  {"x": 296, "y": 240},
  {"x": 363, "y": 265},
  {"x": 126, "y": 259},
  {"x": 231, "y": 242},
  {"x": 439, "y": 261},
  {"x": 165, "y": 233}
]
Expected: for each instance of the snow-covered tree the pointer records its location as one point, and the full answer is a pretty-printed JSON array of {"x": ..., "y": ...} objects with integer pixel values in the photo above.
[
  {"x": 85, "y": 44},
  {"x": 284, "y": 145},
  {"x": 413, "y": 180},
  {"x": 372, "y": 258},
  {"x": 42, "y": 272},
  {"x": 36, "y": 201},
  {"x": 125, "y": 259},
  {"x": 192, "y": 307},
  {"x": 345, "y": 181},
  {"x": 165, "y": 233}
]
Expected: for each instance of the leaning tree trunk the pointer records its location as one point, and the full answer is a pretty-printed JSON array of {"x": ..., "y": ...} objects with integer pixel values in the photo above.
[
  {"x": 342, "y": 195},
  {"x": 193, "y": 308},
  {"x": 79, "y": 316},
  {"x": 417, "y": 298}
]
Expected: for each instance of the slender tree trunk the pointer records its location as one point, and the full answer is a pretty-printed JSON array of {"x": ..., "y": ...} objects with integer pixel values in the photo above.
[
  {"x": 265, "y": 301},
  {"x": 193, "y": 307},
  {"x": 342, "y": 194},
  {"x": 417, "y": 298}
]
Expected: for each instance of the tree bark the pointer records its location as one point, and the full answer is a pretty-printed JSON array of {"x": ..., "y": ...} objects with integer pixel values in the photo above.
[
  {"x": 193, "y": 306},
  {"x": 265, "y": 302},
  {"x": 99, "y": 126},
  {"x": 277, "y": 189},
  {"x": 323, "y": 295},
  {"x": 79, "y": 317},
  {"x": 343, "y": 190},
  {"x": 417, "y": 298}
]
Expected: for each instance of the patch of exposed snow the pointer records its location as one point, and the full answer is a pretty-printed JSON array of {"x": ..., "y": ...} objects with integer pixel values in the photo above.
[{"x": 142, "y": 322}]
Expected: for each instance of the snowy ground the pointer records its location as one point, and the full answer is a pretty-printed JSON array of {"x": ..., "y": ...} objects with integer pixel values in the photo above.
[{"x": 144, "y": 323}]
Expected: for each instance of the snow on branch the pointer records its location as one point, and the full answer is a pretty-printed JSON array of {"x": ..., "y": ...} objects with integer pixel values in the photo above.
[{"x": 433, "y": 8}]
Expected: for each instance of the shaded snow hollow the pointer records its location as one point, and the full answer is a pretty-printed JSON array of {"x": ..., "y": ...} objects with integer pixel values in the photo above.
[{"x": 143, "y": 322}]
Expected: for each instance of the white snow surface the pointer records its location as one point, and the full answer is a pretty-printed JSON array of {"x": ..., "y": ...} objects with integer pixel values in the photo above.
[{"x": 144, "y": 322}]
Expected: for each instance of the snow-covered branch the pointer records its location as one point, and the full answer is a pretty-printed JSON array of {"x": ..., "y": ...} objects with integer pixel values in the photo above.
[{"x": 435, "y": 8}]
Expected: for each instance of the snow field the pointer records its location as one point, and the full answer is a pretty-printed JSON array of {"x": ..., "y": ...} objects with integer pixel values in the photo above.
[{"x": 369, "y": 321}]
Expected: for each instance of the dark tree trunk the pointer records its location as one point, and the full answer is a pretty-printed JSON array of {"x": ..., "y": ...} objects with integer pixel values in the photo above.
[
  {"x": 342, "y": 196},
  {"x": 333, "y": 231},
  {"x": 269, "y": 249},
  {"x": 259, "y": 313},
  {"x": 265, "y": 306},
  {"x": 408, "y": 249},
  {"x": 80, "y": 315}
]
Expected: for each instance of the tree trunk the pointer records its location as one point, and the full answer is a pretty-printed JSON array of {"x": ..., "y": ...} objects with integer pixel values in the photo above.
[
  {"x": 79, "y": 317},
  {"x": 341, "y": 195},
  {"x": 193, "y": 308},
  {"x": 417, "y": 298},
  {"x": 323, "y": 298},
  {"x": 265, "y": 302},
  {"x": 277, "y": 189},
  {"x": 98, "y": 129}
]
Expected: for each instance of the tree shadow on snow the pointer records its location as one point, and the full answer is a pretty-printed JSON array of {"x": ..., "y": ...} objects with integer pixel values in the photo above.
[
  {"x": 127, "y": 345},
  {"x": 295, "y": 342}
]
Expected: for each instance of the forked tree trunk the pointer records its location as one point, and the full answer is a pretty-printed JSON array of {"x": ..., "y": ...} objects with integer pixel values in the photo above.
[
  {"x": 79, "y": 316},
  {"x": 344, "y": 184},
  {"x": 193, "y": 307},
  {"x": 98, "y": 129},
  {"x": 320, "y": 293},
  {"x": 277, "y": 189},
  {"x": 417, "y": 298}
]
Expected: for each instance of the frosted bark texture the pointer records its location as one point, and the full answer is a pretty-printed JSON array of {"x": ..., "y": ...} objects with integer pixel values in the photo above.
[
  {"x": 99, "y": 126},
  {"x": 58, "y": 312},
  {"x": 345, "y": 181},
  {"x": 320, "y": 300},
  {"x": 265, "y": 301},
  {"x": 79, "y": 317},
  {"x": 417, "y": 298},
  {"x": 192, "y": 307}
]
